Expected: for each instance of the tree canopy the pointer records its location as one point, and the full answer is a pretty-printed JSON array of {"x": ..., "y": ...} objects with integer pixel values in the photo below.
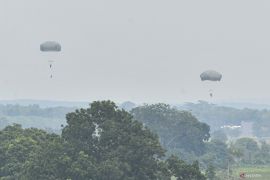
[
  {"x": 101, "y": 142},
  {"x": 176, "y": 129}
]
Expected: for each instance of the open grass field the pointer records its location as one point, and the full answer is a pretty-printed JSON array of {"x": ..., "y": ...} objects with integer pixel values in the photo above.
[{"x": 253, "y": 173}]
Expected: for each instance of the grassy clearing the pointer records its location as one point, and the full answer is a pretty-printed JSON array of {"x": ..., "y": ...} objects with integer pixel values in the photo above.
[{"x": 253, "y": 173}]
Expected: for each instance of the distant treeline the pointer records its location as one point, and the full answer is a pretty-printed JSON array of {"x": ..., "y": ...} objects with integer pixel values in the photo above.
[
  {"x": 34, "y": 110},
  {"x": 217, "y": 116}
]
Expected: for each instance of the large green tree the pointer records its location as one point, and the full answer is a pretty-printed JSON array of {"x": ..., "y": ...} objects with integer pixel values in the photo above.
[
  {"x": 176, "y": 129},
  {"x": 249, "y": 147},
  {"x": 218, "y": 155},
  {"x": 16, "y": 147},
  {"x": 115, "y": 141}
]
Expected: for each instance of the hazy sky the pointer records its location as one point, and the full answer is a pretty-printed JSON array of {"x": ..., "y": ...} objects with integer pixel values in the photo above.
[{"x": 139, "y": 50}]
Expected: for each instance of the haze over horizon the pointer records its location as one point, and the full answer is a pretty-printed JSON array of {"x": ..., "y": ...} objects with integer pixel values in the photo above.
[{"x": 142, "y": 51}]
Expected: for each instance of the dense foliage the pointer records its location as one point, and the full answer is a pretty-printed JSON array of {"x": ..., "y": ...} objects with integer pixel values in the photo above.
[
  {"x": 176, "y": 129},
  {"x": 106, "y": 142},
  {"x": 99, "y": 143},
  {"x": 249, "y": 152}
]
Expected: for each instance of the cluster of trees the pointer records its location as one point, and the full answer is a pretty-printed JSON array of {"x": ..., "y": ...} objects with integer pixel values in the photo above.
[
  {"x": 176, "y": 129},
  {"x": 217, "y": 116},
  {"x": 183, "y": 135},
  {"x": 247, "y": 151},
  {"x": 242, "y": 152},
  {"x": 105, "y": 142},
  {"x": 101, "y": 142}
]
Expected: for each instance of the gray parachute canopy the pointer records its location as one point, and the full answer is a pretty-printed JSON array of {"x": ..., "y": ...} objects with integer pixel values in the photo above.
[
  {"x": 211, "y": 75},
  {"x": 50, "y": 46}
]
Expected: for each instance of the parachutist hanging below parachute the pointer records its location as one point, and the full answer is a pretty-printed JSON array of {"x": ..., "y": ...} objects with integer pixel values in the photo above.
[
  {"x": 50, "y": 47},
  {"x": 211, "y": 75},
  {"x": 211, "y": 93}
]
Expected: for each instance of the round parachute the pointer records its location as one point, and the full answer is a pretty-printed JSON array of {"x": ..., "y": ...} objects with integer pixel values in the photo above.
[
  {"x": 50, "y": 46},
  {"x": 211, "y": 75}
]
